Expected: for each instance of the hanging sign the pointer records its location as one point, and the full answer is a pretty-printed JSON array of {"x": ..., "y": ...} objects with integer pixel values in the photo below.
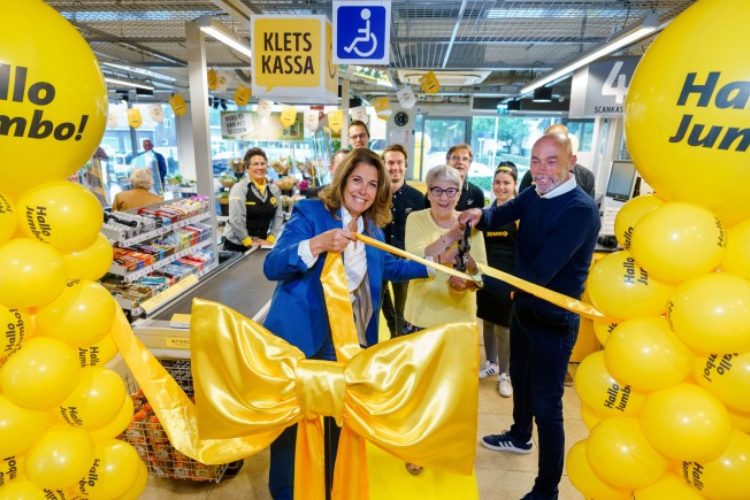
[
  {"x": 430, "y": 83},
  {"x": 406, "y": 97},
  {"x": 242, "y": 95},
  {"x": 335, "y": 120},
  {"x": 382, "y": 107},
  {"x": 178, "y": 104},
  {"x": 288, "y": 116},
  {"x": 247, "y": 126},
  {"x": 292, "y": 59},
  {"x": 312, "y": 120},
  {"x": 135, "y": 119},
  {"x": 156, "y": 112},
  {"x": 600, "y": 88}
]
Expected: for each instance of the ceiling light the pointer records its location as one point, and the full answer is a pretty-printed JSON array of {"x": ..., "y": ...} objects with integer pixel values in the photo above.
[
  {"x": 210, "y": 27},
  {"x": 140, "y": 71},
  {"x": 648, "y": 26},
  {"x": 128, "y": 83}
]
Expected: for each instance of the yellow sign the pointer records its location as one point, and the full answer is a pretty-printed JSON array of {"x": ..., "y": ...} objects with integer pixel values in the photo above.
[
  {"x": 242, "y": 95},
  {"x": 382, "y": 107},
  {"x": 430, "y": 83},
  {"x": 335, "y": 120},
  {"x": 291, "y": 58},
  {"x": 178, "y": 104},
  {"x": 213, "y": 79},
  {"x": 135, "y": 119}
]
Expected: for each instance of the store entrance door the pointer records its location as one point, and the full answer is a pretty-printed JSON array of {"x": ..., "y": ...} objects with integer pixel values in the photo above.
[{"x": 433, "y": 139}]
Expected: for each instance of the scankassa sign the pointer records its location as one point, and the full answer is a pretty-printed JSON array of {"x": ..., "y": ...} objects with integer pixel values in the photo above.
[{"x": 292, "y": 59}]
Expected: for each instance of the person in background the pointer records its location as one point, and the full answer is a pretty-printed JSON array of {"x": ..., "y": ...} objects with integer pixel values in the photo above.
[
  {"x": 359, "y": 134},
  {"x": 493, "y": 301},
  {"x": 584, "y": 177},
  {"x": 460, "y": 157},
  {"x": 336, "y": 160},
  {"x": 139, "y": 195},
  {"x": 255, "y": 212},
  {"x": 558, "y": 226},
  {"x": 357, "y": 201},
  {"x": 406, "y": 200},
  {"x": 159, "y": 165}
]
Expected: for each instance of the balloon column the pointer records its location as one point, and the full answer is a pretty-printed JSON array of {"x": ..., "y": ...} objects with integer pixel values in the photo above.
[
  {"x": 668, "y": 400},
  {"x": 59, "y": 407}
]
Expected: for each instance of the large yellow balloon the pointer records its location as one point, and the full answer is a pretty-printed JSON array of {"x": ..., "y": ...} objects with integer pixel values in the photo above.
[
  {"x": 41, "y": 374},
  {"x": 668, "y": 487},
  {"x": 118, "y": 424},
  {"x": 630, "y": 213},
  {"x": 678, "y": 241},
  {"x": 711, "y": 313},
  {"x": 691, "y": 79},
  {"x": 584, "y": 478},
  {"x": 21, "y": 490},
  {"x": 620, "y": 454},
  {"x": 96, "y": 399},
  {"x": 60, "y": 457},
  {"x": 603, "y": 329},
  {"x": 90, "y": 263},
  {"x": 726, "y": 376},
  {"x": 98, "y": 354},
  {"x": 590, "y": 417},
  {"x": 685, "y": 422},
  {"x": 63, "y": 214},
  {"x": 19, "y": 427},
  {"x": 621, "y": 289},
  {"x": 644, "y": 353},
  {"x": 601, "y": 392},
  {"x": 81, "y": 315},
  {"x": 139, "y": 485},
  {"x": 17, "y": 326},
  {"x": 8, "y": 221},
  {"x": 740, "y": 420},
  {"x": 728, "y": 476},
  {"x": 58, "y": 99},
  {"x": 11, "y": 469},
  {"x": 737, "y": 258},
  {"x": 115, "y": 468},
  {"x": 31, "y": 273}
]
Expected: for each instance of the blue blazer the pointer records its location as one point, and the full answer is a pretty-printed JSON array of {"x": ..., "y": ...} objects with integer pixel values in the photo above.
[{"x": 298, "y": 312}]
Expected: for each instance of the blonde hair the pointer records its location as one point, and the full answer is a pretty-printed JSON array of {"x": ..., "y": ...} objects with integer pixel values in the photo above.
[{"x": 141, "y": 178}]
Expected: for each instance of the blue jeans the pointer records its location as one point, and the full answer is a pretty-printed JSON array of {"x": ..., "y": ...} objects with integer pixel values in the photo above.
[
  {"x": 281, "y": 471},
  {"x": 540, "y": 348}
]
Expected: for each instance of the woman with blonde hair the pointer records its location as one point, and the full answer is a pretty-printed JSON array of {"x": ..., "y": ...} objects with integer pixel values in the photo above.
[{"x": 139, "y": 195}]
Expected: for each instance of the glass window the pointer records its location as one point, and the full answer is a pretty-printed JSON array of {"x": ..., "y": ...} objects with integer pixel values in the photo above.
[{"x": 437, "y": 136}]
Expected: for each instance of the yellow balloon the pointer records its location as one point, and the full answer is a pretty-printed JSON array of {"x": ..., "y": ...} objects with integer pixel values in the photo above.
[
  {"x": 41, "y": 374},
  {"x": 726, "y": 376},
  {"x": 63, "y": 214},
  {"x": 90, "y": 263},
  {"x": 711, "y": 313},
  {"x": 740, "y": 420},
  {"x": 139, "y": 485},
  {"x": 17, "y": 326},
  {"x": 11, "y": 469},
  {"x": 96, "y": 399},
  {"x": 621, "y": 289},
  {"x": 59, "y": 98},
  {"x": 603, "y": 329},
  {"x": 60, "y": 457},
  {"x": 630, "y": 213},
  {"x": 590, "y": 417},
  {"x": 678, "y": 241},
  {"x": 668, "y": 487},
  {"x": 728, "y": 476},
  {"x": 19, "y": 427},
  {"x": 31, "y": 273},
  {"x": 114, "y": 471},
  {"x": 98, "y": 354},
  {"x": 118, "y": 424},
  {"x": 585, "y": 480},
  {"x": 81, "y": 315},
  {"x": 21, "y": 490},
  {"x": 685, "y": 422},
  {"x": 620, "y": 454},
  {"x": 644, "y": 353},
  {"x": 8, "y": 220},
  {"x": 685, "y": 114},
  {"x": 601, "y": 392},
  {"x": 737, "y": 258}
]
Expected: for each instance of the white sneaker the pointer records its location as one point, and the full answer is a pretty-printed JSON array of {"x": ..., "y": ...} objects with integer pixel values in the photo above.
[
  {"x": 488, "y": 369},
  {"x": 503, "y": 386}
]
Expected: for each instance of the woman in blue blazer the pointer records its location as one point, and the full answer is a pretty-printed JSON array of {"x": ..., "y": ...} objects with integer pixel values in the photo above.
[{"x": 358, "y": 200}]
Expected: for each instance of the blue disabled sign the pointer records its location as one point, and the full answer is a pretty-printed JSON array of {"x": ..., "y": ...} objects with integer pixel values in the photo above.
[{"x": 361, "y": 32}]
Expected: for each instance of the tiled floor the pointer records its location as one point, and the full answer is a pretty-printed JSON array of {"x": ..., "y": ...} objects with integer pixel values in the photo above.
[{"x": 500, "y": 475}]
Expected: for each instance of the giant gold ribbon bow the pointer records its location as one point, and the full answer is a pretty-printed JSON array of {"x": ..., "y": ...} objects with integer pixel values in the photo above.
[{"x": 414, "y": 396}]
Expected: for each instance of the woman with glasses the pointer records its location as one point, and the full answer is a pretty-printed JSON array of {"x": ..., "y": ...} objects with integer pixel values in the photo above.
[{"x": 493, "y": 305}]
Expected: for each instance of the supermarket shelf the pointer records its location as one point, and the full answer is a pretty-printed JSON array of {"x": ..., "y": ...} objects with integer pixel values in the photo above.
[
  {"x": 129, "y": 277},
  {"x": 160, "y": 231}
]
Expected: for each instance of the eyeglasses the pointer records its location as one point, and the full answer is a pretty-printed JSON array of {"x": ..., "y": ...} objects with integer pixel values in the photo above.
[
  {"x": 438, "y": 192},
  {"x": 357, "y": 136},
  {"x": 460, "y": 158}
]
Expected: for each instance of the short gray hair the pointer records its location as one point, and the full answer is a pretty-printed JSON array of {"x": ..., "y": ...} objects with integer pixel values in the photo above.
[
  {"x": 442, "y": 173},
  {"x": 141, "y": 178}
]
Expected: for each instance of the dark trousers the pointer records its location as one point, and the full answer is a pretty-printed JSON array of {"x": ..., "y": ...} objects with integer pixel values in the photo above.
[
  {"x": 393, "y": 308},
  {"x": 281, "y": 473},
  {"x": 539, "y": 353}
]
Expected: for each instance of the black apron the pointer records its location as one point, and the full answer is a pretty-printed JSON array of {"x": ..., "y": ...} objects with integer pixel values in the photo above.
[{"x": 259, "y": 213}]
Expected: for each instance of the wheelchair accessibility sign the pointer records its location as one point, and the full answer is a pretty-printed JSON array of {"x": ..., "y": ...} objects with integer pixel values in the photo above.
[{"x": 361, "y": 32}]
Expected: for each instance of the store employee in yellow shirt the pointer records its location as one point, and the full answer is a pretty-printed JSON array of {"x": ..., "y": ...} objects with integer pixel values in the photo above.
[{"x": 255, "y": 213}]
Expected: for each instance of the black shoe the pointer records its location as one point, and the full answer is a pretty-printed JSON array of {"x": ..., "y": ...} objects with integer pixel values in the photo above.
[{"x": 504, "y": 442}]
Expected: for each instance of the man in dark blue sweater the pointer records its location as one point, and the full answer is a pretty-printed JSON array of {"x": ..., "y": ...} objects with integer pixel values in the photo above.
[{"x": 557, "y": 233}]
